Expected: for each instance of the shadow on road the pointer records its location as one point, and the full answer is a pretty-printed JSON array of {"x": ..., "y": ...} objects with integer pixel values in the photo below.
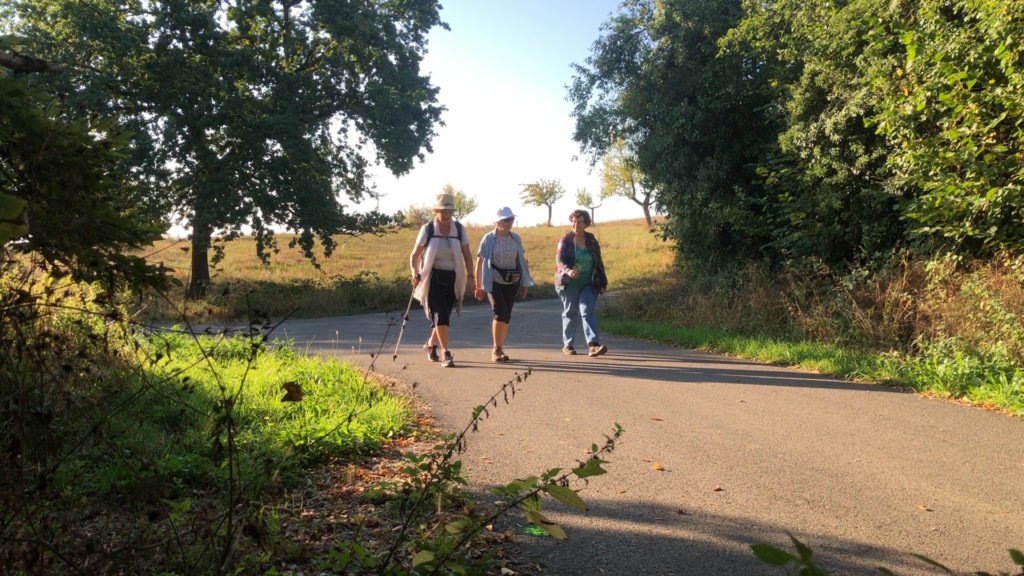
[{"x": 681, "y": 541}]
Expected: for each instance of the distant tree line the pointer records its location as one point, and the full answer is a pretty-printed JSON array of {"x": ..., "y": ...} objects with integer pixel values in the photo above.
[{"x": 835, "y": 131}]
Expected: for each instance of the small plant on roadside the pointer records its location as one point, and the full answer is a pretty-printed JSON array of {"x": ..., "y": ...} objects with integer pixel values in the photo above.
[
  {"x": 802, "y": 563},
  {"x": 438, "y": 523}
]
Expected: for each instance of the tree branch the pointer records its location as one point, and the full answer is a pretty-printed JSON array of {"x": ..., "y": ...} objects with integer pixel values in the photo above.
[{"x": 19, "y": 63}]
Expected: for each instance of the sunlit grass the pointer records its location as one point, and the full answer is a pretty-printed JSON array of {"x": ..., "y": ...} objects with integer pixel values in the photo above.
[
  {"x": 948, "y": 368},
  {"x": 172, "y": 420}
]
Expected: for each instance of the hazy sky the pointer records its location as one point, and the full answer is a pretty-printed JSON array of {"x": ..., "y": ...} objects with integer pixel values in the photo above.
[{"x": 502, "y": 71}]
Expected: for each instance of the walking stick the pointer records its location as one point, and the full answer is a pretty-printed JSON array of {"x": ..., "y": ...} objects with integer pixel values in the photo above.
[{"x": 405, "y": 320}]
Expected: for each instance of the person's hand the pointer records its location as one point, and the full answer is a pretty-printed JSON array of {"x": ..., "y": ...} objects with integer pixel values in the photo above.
[
  {"x": 415, "y": 280},
  {"x": 522, "y": 291},
  {"x": 478, "y": 293},
  {"x": 572, "y": 273}
]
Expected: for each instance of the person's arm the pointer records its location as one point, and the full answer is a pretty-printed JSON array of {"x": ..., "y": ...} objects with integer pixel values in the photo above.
[
  {"x": 414, "y": 260},
  {"x": 599, "y": 265},
  {"x": 563, "y": 246},
  {"x": 524, "y": 268},
  {"x": 468, "y": 257},
  {"x": 478, "y": 287}
]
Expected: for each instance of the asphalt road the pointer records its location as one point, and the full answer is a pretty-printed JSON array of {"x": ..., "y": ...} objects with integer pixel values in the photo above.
[{"x": 863, "y": 474}]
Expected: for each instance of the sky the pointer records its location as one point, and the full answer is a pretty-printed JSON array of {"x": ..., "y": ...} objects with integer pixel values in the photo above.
[{"x": 502, "y": 70}]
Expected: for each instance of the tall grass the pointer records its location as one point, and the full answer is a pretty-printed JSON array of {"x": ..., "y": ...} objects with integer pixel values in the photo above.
[
  {"x": 371, "y": 273},
  {"x": 948, "y": 328}
]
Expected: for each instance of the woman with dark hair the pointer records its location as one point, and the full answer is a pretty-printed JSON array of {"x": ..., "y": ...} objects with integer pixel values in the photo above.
[{"x": 579, "y": 279}]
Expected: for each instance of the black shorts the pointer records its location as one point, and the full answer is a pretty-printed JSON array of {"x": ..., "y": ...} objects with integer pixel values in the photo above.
[
  {"x": 441, "y": 297},
  {"x": 502, "y": 297}
]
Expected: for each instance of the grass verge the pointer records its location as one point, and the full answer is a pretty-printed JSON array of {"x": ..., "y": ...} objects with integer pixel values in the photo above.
[{"x": 943, "y": 372}]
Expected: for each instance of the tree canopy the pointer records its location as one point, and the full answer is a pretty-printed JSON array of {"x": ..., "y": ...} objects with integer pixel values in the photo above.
[
  {"x": 66, "y": 190},
  {"x": 253, "y": 113},
  {"x": 832, "y": 131}
]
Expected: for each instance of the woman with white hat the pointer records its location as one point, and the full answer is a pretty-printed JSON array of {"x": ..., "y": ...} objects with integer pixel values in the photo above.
[
  {"x": 502, "y": 273},
  {"x": 441, "y": 263}
]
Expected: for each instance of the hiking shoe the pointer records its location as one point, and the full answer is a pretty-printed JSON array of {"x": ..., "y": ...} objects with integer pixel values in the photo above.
[
  {"x": 432, "y": 354},
  {"x": 596, "y": 349},
  {"x": 498, "y": 355},
  {"x": 569, "y": 351},
  {"x": 449, "y": 360}
]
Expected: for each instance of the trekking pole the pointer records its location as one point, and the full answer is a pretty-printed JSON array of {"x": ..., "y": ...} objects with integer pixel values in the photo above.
[{"x": 405, "y": 320}]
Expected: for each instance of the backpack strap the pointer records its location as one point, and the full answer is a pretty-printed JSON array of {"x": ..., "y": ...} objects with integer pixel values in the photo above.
[{"x": 431, "y": 235}]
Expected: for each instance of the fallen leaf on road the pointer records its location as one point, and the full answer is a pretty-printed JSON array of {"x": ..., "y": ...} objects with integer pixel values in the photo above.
[
  {"x": 656, "y": 419},
  {"x": 681, "y": 512},
  {"x": 719, "y": 489},
  {"x": 923, "y": 508},
  {"x": 657, "y": 466}
]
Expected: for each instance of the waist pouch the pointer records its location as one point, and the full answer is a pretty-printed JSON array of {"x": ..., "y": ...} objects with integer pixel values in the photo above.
[{"x": 507, "y": 276}]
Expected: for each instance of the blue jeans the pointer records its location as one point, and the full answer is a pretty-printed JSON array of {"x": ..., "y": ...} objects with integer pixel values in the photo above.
[{"x": 577, "y": 302}]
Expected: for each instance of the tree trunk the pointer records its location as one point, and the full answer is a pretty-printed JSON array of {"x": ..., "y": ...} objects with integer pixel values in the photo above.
[
  {"x": 200, "y": 282},
  {"x": 647, "y": 214},
  {"x": 549, "y": 214}
]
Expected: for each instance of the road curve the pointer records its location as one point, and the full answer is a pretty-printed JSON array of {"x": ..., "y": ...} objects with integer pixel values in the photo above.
[{"x": 718, "y": 453}]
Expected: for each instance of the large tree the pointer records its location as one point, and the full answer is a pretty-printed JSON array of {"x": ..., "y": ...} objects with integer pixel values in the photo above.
[
  {"x": 253, "y": 113},
  {"x": 695, "y": 120}
]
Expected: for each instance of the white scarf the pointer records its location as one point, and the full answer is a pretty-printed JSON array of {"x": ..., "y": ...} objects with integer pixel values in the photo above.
[{"x": 422, "y": 290}]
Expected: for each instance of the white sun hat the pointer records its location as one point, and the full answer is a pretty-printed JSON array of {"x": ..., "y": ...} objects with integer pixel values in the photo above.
[{"x": 504, "y": 212}]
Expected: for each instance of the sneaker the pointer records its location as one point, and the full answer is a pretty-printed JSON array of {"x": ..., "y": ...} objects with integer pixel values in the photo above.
[
  {"x": 596, "y": 349},
  {"x": 432, "y": 354},
  {"x": 449, "y": 360},
  {"x": 569, "y": 351},
  {"x": 497, "y": 355}
]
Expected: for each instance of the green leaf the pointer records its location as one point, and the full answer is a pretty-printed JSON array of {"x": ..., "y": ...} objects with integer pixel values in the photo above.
[
  {"x": 590, "y": 468},
  {"x": 10, "y": 207},
  {"x": 457, "y": 527},
  {"x": 10, "y": 231},
  {"x": 772, "y": 555},
  {"x": 805, "y": 552},
  {"x": 550, "y": 527},
  {"x": 422, "y": 557},
  {"x": 1018, "y": 557},
  {"x": 566, "y": 496}
]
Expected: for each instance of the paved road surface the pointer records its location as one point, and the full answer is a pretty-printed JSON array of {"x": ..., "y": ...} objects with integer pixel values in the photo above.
[{"x": 863, "y": 474}]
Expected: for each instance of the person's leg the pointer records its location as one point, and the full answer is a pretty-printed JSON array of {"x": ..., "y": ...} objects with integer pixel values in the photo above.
[
  {"x": 570, "y": 315},
  {"x": 501, "y": 332},
  {"x": 442, "y": 301},
  {"x": 501, "y": 303},
  {"x": 441, "y": 336},
  {"x": 588, "y": 310}
]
